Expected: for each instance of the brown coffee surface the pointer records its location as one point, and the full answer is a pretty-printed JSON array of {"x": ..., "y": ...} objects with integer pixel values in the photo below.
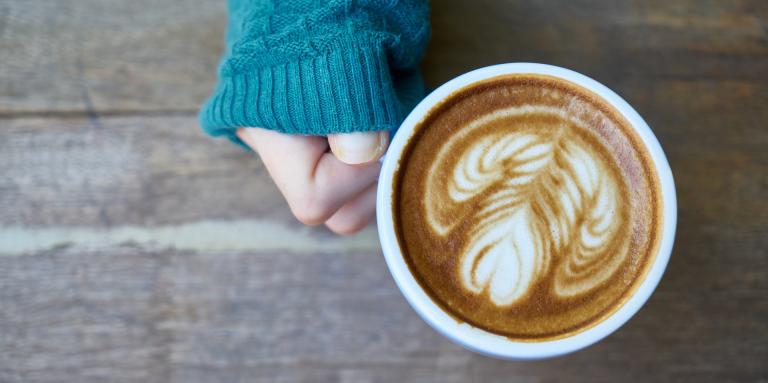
[{"x": 527, "y": 206}]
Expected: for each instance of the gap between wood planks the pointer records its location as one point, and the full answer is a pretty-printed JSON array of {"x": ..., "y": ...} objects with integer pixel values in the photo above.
[
  {"x": 78, "y": 113},
  {"x": 242, "y": 235}
]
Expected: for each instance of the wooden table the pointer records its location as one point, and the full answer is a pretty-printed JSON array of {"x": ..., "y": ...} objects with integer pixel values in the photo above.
[{"x": 135, "y": 249}]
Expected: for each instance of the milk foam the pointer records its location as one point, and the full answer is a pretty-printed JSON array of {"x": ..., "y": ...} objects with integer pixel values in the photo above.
[{"x": 541, "y": 194}]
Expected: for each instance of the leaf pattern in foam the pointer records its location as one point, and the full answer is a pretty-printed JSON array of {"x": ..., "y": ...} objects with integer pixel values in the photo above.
[{"x": 534, "y": 196}]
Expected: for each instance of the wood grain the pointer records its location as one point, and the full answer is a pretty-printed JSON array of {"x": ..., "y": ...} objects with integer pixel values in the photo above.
[
  {"x": 129, "y": 314},
  {"x": 102, "y": 163},
  {"x": 128, "y": 171},
  {"x": 611, "y": 41},
  {"x": 110, "y": 56}
]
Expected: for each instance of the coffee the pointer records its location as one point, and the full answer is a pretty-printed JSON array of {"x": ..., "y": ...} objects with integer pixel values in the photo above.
[{"x": 527, "y": 206}]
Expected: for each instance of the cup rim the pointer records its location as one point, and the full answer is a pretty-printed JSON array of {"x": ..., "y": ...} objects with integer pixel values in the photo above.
[{"x": 474, "y": 338}]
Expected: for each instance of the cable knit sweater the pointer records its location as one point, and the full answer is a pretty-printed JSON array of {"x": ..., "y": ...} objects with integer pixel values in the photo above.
[{"x": 318, "y": 67}]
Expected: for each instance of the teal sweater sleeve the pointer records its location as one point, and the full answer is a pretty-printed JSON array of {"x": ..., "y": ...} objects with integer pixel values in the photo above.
[{"x": 317, "y": 67}]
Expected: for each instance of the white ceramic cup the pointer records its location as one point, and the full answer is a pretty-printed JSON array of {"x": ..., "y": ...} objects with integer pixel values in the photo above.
[{"x": 472, "y": 337}]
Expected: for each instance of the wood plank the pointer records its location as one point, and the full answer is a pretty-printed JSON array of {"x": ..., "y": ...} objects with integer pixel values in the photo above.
[
  {"x": 114, "y": 56},
  {"x": 132, "y": 314},
  {"x": 610, "y": 41},
  {"x": 163, "y": 170},
  {"x": 127, "y": 171},
  {"x": 195, "y": 314},
  {"x": 74, "y": 56}
]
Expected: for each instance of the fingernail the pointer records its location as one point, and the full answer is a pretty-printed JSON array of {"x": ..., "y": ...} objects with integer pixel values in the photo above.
[{"x": 359, "y": 148}]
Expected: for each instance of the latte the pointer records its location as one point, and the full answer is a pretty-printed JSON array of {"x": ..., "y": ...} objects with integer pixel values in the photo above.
[{"x": 527, "y": 206}]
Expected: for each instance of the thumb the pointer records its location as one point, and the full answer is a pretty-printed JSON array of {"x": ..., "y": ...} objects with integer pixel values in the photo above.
[{"x": 360, "y": 147}]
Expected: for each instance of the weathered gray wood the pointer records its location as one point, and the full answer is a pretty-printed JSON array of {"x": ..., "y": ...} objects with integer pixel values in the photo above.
[
  {"x": 157, "y": 56},
  {"x": 58, "y": 305},
  {"x": 129, "y": 314},
  {"x": 127, "y": 171},
  {"x": 106, "y": 182},
  {"x": 65, "y": 56}
]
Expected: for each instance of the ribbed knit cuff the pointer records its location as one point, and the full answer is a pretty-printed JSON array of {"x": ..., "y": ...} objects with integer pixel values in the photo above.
[{"x": 348, "y": 89}]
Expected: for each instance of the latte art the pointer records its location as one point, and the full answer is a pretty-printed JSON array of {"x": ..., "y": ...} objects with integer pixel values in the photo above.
[
  {"x": 533, "y": 194},
  {"x": 526, "y": 206}
]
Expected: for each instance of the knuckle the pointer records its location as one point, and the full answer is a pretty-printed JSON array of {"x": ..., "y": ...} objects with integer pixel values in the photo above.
[
  {"x": 348, "y": 227},
  {"x": 311, "y": 209}
]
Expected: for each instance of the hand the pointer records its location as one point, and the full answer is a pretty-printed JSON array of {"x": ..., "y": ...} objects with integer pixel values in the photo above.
[{"x": 337, "y": 188}]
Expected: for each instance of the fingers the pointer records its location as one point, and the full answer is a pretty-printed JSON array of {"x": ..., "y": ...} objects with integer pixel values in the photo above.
[
  {"x": 359, "y": 148},
  {"x": 313, "y": 181},
  {"x": 355, "y": 214}
]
